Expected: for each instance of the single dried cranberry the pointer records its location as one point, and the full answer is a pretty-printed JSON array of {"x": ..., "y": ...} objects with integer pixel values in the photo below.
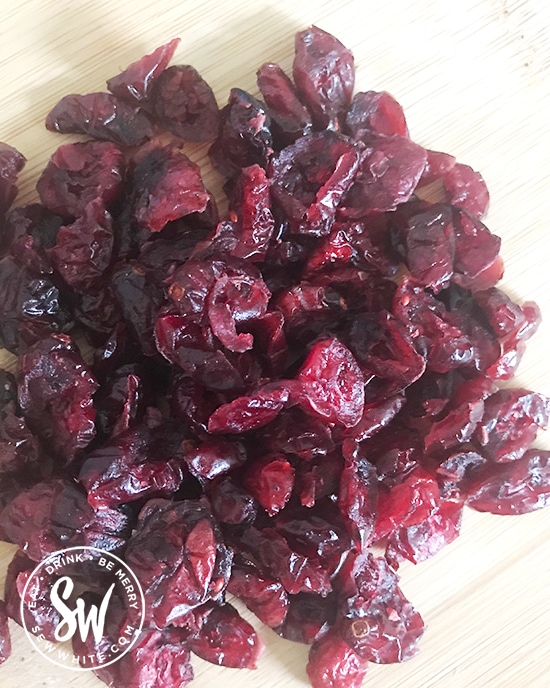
[
  {"x": 308, "y": 618},
  {"x": 83, "y": 250},
  {"x": 184, "y": 103},
  {"x": 270, "y": 481},
  {"x": 19, "y": 449},
  {"x": 515, "y": 488},
  {"x": 79, "y": 173},
  {"x": 244, "y": 137},
  {"x": 166, "y": 185},
  {"x": 466, "y": 189},
  {"x": 30, "y": 307},
  {"x": 324, "y": 73},
  {"x": 290, "y": 118},
  {"x": 437, "y": 165},
  {"x": 311, "y": 177},
  {"x": 510, "y": 423},
  {"x": 33, "y": 229},
  {"x": 55, "y": 394},
  {"x": 231, "y": 504},
  {"x": 476, "y": 262},
  {"x": 135, "y": 82},
  {"x": 265, "y": 597},
  {"x": 11, "y": 163},
  {"x": 178, "y": 556},
  {"x": 357, "y": 499},
  {"x": 375, "y": 112},
  {"x": 102, "y": 116},
  {"x": 250, "y": 412},
  {"x": 225, "y": 638},
  {"x": 332, "y": 385},
  {"x": 333, "y": 664},
  {"x": 213, "y": 458}
]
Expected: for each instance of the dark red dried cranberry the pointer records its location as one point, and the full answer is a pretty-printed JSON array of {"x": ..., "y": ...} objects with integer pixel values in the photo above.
[
  {"x": 19, "y": 449},
  {"x": 290, "y": 118},
  {"x": 5, "y": 638},
  {"x": 33, "y": 230},
  {"x": 324, "y": 73},
  {"x": 225, "y": 638},
  {"x": 357, "y": 499},
  {"x": 79, "y": 173},
  {"x": 213, "y": 458},
  {"x": 55, "y": 394},
  {"x": 375, "y": 112},
  {"x": 166, "y": 185},
  {"x": 266, "y": 597},
  {"x": 184, "y": 103},
  {"x": 308, "y": 618},
  {"x": 102, "y": 116},
  {"x": 467, "y": 189},
  {"x": 231, "y": 504},
  {"x": 244, "y": 137}
]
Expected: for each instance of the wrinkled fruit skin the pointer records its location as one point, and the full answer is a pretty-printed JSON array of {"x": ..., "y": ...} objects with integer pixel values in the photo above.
[{"x": 265, "y": 398}]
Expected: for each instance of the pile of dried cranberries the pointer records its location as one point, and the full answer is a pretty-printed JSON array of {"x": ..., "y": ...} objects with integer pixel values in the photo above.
[{"x": 268, "y": 394}]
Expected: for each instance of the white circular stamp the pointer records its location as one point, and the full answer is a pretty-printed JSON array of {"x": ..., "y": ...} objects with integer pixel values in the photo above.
[{"x": 99, "y": 608}]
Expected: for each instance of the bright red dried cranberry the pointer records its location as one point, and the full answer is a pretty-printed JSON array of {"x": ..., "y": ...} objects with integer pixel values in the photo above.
[
  {"x": 184, "y": 103},
  {"x": 166, "y": 186},
  {"x": 332, "y": 385},
  {"x": 375, "y": 112},
  {"x": 55, "y": 394},
  {"x": 266, "y": 597},
  {"x": 270, "y": 480},
  {"x": 250, "y": 412},
  {"x": 135, "y": 82},
  {"x": 289, "y": 117},
  {"x": 79, "y": 173},
  {"x": 333, "y": 664},
  {"x": 227, "y": 639},
  {"x": 324, "y": 73},
  {"x": 510, "y": 423},
  {"x": 102, "y": 116}
]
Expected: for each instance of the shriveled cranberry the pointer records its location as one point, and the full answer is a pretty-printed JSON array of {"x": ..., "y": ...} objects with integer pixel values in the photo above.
[
  {"x": 476, "y": 261},
  {"x": 5, "y": 638},
  {"x": 467, "y": 189},
  {"x": 178, "y": 556},
  {"x": 184, "y": 103},
  {"x": 437, "y": 165},
  {"x": 250, "y": 412},
  {"x": 231, "y": 504},
  {"x": 30, "y": 307},
  {"x": 333, "y": 664},
  {"x": 244, "y": 137},
  {"x": 213, "y": 458},
  {"x": 375, "y": 112},
  {"x": 324, "y": 72},
  {"x": 266, "y": 597},
  {"x": 290, "y": 118},
  {"x": 167, "y": 185},
  {"x": 308, "y": 618},
  {"x": 381, "y": 183},
  {"x": 377, "y": 620},
  {"x": 515, "y": 488},
  {"x": 55, "y": 394},
  {"x": 19, "y": 449},
  {"x": 102, "y": 116},
  {"x": 420, "y": 542},
  {"x": 79, "y": 173},
  {"x": 311, "y": 177},
  {"x": 11, "y": 163},
  {"x": 227, "y": 639},
  {"x": 332, "y": 384},
  {"x": 53, "y": 515},
  {"x": 140, "y": 462},
  {"x": 32, "y": 230},
  {"x": 357, "y": 498},
  {"x": 270, "y": 481},
  {"x": 135, "y": 82},
  {"x": 510, "y": 423}
]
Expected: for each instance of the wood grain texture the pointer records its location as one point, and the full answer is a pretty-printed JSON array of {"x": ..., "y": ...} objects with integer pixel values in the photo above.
[{"x": 474, "y": 78}]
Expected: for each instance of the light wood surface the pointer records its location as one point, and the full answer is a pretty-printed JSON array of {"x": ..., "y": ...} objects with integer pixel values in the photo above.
[{"x": 474, "y": 78}]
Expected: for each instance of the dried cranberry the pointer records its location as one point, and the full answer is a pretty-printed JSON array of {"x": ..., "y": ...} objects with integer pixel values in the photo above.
[
  {"x": 79, "y": 173},
  {"x": 5, "y": 638},
  {"x": 33, "y": 229},
  {"x": 375, "y": 113},
  {"x": 333, "y": 664},
  {"x": 249, "y": 413},
  {"x": 184, "y": 103},
  {"x": 467, "y": 189},
  {"x": 270, "y": 481},
  {"x": 213, "y": 458},
  {"x": 135, "y": 82},
  {"x": 231, "y": 504},
  {"x": 324, "y": 72},
  {"x": 102, "y": 116},
  {"x": 227, "y": 639},
  {"x": 266, "y": 597},
  {"x": 11, "y": 163}
]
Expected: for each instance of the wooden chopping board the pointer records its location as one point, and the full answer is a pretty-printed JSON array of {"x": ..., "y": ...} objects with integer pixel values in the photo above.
[{"x": 474, "y": 78}]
